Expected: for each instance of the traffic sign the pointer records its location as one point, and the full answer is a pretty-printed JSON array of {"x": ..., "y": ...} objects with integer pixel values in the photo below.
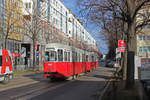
[
  {"x": 23, "y": 52},
  {"x": 37, "y": 54},
  {"x": 35, "y": 46},
  {"x": 121, "y": 44}
]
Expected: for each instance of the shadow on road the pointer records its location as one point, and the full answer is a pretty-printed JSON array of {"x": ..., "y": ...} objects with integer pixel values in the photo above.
[
  {"x": 40, "y": 77},
  {"x": 102, "y": 76},
  {"x": 77, "y": 90}
]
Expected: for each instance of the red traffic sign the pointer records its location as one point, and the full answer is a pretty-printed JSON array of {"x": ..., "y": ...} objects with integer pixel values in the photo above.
[
  {"x": 121, "y": 44},
  {"x": 35, "y": 46}
]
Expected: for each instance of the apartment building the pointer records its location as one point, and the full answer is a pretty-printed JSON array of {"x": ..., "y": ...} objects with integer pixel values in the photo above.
[
  {"x": 143, "y": 36},
  {"x": 58, "y": 24},
  {"x": 143, "y": 43},
  {"x": 14, "y": 24},
  {"x": 2, "y": 14},
  {"x": 63, "y": 19}
]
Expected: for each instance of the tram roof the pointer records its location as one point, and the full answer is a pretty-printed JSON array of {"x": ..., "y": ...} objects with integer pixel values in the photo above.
[{"x": 52, "y": 46}]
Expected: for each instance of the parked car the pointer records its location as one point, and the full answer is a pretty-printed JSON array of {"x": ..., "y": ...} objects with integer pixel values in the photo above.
[
  {"x": 110, "y": 63},
  {"x": 102, "y": 62}
]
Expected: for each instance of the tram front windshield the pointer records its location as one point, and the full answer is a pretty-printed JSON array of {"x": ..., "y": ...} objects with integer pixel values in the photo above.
[
  {"x": 0, "y": 60},
  {"x": 51, "y": 56}
]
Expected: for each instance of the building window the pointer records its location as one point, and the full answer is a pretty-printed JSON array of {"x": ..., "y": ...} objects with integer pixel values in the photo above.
[
  {"x": 61, "y": 20},
  {"x": 66, "y": 22},
  {"x": 56, "y": 3},
  {"x": 140, "y": 37},
  {"x": 12, "y": 28},
  {"x": 146, "y": 27},
  {"x": 56, "y": 12},
  {"x": 28, "y": 5},
  {"x": 12, "y": 14},
  {"x": 69, "y": 32},
  {"x": 18, "y": 30},
  {"x": 144, "y": 38},
  {"x": 149, "y": 48},
  {"x": 12, "y": 1},
  {"x": 19, "y": 17},
  {"x": 144, "y": 49},
  {"x": 56, "y": 21},
  {"x": 148, "y": 37},
  {"x": 72, "y": 27},
  {"x": 18, "y": 4},
  {"x": 76, "y": 30}
]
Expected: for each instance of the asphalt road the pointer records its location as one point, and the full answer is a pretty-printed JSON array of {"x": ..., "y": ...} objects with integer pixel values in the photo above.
[{"x": 87, "y": 87}]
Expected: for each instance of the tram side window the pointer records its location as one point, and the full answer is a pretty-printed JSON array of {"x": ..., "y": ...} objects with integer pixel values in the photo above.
[
  {"x": 79, "y": 57},
  {"x": 47, "y": 56},
  {"x": 0, "y": 60},
  {"x": 60, "y": 55},
  {"x": 65, "y": 54},
  {"x": 69, "y": 56},
  {"x": 73, "y": 54},
  {"x": 76, "y": 57},
  {"x": 83, "y": 58},
  {"x": 52, "y": 56}
]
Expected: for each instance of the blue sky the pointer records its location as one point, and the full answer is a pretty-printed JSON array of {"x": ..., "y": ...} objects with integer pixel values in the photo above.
[{"x": 92, "y": 29}]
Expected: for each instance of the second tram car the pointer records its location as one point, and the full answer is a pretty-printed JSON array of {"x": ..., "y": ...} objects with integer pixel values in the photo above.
[{"x": 66, "y": 61}]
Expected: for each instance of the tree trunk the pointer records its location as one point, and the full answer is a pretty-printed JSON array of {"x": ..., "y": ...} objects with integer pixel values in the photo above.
[
  {"x": 5, "y": 41},
  {"x": 131, "y": 43},
  {"x": 131, "y": 48},
  {"x": 34, "y": 56},
  {"x": 124, "y": 66},
  {"x": 5, "y": 46}
]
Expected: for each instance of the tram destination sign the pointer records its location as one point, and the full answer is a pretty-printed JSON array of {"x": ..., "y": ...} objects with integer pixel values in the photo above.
[{"x": 50, "y": 49}]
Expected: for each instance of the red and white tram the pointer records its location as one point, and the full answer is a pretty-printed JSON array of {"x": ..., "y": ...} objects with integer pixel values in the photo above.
[{"x": 66, "y": 61}]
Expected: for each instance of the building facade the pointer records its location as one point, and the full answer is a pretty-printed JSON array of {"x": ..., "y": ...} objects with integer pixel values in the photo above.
[
  {"x": 143, "y": 43},
  {"x": 14, "y": 24},
  {"x": 143, "y": 36},
  {"x": 2, "y": 20},
  {"x": 64, "y": 20},
  {"x": 57, "y": 25},
  {"x": 11, "y": 27}
]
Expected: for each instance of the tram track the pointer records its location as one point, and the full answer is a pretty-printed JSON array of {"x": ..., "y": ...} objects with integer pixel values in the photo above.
[{"x": 38, "y": 90}]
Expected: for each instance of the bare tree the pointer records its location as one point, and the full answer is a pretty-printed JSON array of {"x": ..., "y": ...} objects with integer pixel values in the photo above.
[
  {"x": 126, "y": 11},
  {"x": 10, "y": 22},
  {"x": 33, "y": 25}
]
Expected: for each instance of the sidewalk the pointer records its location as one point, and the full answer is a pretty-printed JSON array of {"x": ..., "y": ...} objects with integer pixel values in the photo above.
[
  {"x": 116, "y": 91},
  {"x": 23, "y": 79},
  {"x": 16, "y": 74}
]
